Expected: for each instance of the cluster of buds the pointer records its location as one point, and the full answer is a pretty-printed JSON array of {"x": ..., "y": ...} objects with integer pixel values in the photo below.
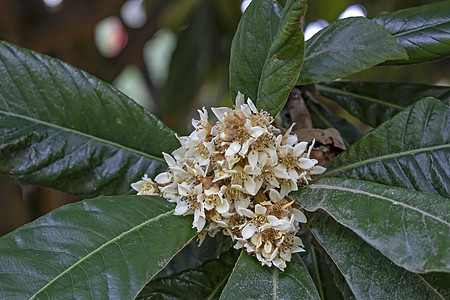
[{"x": 234, "y": 176}]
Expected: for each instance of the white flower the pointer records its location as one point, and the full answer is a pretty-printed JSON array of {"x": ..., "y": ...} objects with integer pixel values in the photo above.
[
  {"x": 146, "y": 186},
  {"x": 234, "y": 176}
]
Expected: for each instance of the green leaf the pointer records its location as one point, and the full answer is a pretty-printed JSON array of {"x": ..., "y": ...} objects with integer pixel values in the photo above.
[
  {"x": 411, "y": 151},
  {"x": 267, "y": 53},
  {"x": 410, "y": 228},
  {"x": 346, "y": 47},
  {"x": 106, "y": 247},
  {"x": 376, "y": 102},
  {"x": 439, "y": 281},
  {"x": 322, "y": 118},
  {"x": 423, "y": 31},
  {"x": 250, "y": 280},
  {"x": 189, "y": 66},
  {"x": 63, "y": 128},
  {"x": 369, "y": 274},
  {"x": 205, "y": 282}
]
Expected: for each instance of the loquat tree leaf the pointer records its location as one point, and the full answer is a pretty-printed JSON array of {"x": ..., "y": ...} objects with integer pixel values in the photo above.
[
  {"x": 410, "y": 228},
  {"x": 346, "y": 47},
  {"x": 267, "y": 53},
  {"x": 106, "y": 247},
  {"x": 368, "y": 273},
  {"x": 424, "y": 31},
  {"x": 205, "y": 282},
  {"x": 250, "y": 280},
  {"x": 376, "y": 102},
  {"x": 412, "y": 150},
  {"x": 65, "y": 129}
]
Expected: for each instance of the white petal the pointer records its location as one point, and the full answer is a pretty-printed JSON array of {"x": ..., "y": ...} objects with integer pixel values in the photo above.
[
  {"x": 183, "y": 189},
  {"x": 220, "y": 112},
  {"x": 246, "y": 212},
  {"x": 245, "y": 146},
  {"x": 199, "y": 224},
  {"x": 317, "y": 170},
  {"x": 262, "y": 159},
  {"x": 299, "y": 216},
  {"x": 233, "y": 149},
  {"x": 163, "y": 178},
  {"x": 298, "y": 244},
  {"x": 239, "y": 99},
  {"x": 250, "y": 186},
  {"x": 300, "y": 148},
  {"x": 259, "y": 209},
  {"x": 181, "y": 208},
  {"x": 245, "y": 110},
  {"x": 257, "y": 131},
  {"x": 223, "y": 207},
  {"x": 253, "y": 158},
  {"x": 252, "y": 171},
  {"x": 169, "y": 160},
  {"x": 273, "y": 220},
  {"x": 268, "y": 247},
  {"x": 292, "y": 139},
  {"x": 305, "y": 163},
  {"x": 248, "y": 231},
  {"x": 252, "y": 106},
  {"x": 282, "y": 226},
  {"x": 311, "y": 147},
  {"x": 274, "y": 196},
  {"x": 280, "y": 172},
  {"x": 289, "y": 130}
]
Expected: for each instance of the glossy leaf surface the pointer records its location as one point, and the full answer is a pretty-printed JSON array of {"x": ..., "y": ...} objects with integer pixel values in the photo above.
[
  {"x": 267, "y": 53},
  {"x": 368, "y": 273},
  {"x": 250, "y": 280},
  {"x": 63, "y": 128},
  {"x": 423, "y": 31},
  {"x": 376, "y": 102},
  {"x": 346, "y": 47},
  {"x": 412, "y": 150},
  {"x": 106, "y": 247},
  {"x": 410, "y": 228},
  {"x": 205, "y": 282}
]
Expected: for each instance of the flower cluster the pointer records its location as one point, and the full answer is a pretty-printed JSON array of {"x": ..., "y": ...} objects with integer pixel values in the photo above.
[{"x": 234, "y": 176}]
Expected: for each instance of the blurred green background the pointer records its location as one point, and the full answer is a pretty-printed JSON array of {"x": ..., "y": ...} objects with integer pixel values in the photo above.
[{"x": 170, "y": 56}]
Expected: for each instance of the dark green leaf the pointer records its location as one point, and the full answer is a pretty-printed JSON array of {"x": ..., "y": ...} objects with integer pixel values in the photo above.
[
  {"x": 192, "y": 256},
  {"x": 189, "y": 66},
  {"x": 440, "y": 282},
  {"x": 106, "y": 247},
  {"x": 346, "y": 47},
  {"x": 205, "y": 282},
  {"x": 63, "y": 128},
  {"x": 423, "y": 31},
  {"x": 267, "y": 53},
  {"x": 376, "y": 102},
  {"x": 329, "y": 271},
  {"x": 411, "y": 150},
  {"x": 327, "y": 277},
  {"x": 369, "y": 274},
  {"x": 250, "y": 280},
  {"x": 323, "y": 118},
  {"x": 410, "y": 228}
]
